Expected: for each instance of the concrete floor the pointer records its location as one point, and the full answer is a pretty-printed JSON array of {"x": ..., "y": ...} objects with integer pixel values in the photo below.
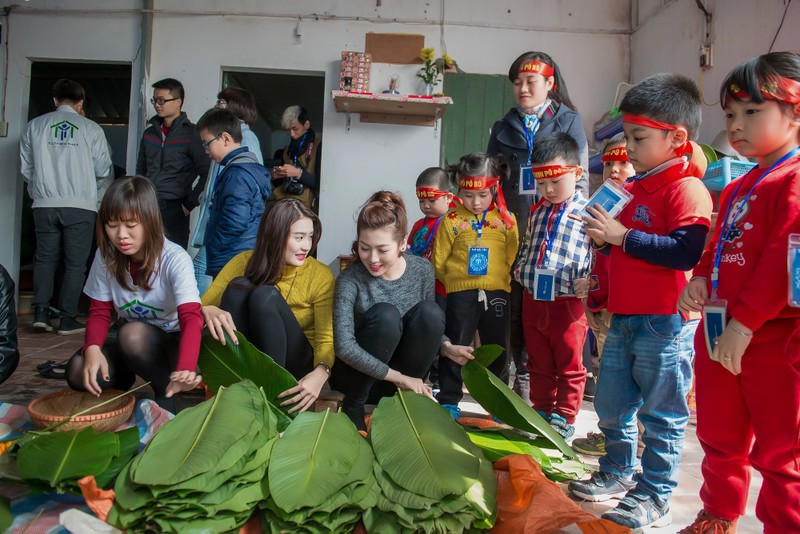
[{"x": 26, "y": 384}]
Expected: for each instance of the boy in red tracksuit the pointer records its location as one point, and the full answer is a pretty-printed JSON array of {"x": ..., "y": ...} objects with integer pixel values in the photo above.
[
  {"x": 647, "y": 358},
  {"x": 748, "y": 388}
]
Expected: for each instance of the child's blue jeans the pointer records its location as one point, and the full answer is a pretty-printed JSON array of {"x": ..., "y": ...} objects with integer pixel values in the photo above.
[
  {"x": 203, "y": 280},
  {"x": 646, "y": 368}
]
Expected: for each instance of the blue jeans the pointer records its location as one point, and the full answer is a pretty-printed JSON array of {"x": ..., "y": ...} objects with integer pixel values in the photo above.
[
  {"x": 203, "y": 280},
  {"x": 646, "y": 368}
]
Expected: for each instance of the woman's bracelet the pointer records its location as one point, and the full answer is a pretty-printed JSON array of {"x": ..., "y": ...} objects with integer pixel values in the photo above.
[
  {"x": 325, "y": 366},
  {"x": 740, "y": 332}
]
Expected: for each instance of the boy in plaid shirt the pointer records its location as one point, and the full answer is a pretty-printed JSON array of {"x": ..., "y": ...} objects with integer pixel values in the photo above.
[{"x": 555, "y": 252}]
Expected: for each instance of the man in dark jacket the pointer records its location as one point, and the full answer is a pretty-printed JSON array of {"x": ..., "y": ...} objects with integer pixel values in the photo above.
[
  {"x": 172, "y": 157},
  {"x": 9, "y": 352}
]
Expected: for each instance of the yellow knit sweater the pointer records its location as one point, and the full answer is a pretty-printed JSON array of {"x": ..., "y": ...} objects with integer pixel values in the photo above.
[
  {"x": 451, "y": 250},
  {"x": 308, "y": 291}
]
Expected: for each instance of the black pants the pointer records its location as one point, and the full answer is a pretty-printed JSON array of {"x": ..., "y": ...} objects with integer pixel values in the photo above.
[
  {"x": 406, "y": 343},
  {"x": 60, "y": 231},
  {"x": 516, "y": 341},
  {"x": 176, "y": 223},
  {"x": 267, "y": 321},
  {"x": 137, "y": 349},
  {"x": 466, "y": 315}
]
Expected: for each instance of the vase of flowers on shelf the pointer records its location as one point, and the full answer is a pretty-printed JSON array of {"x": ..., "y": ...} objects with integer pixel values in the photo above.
[{"x": 432, "y": 68}]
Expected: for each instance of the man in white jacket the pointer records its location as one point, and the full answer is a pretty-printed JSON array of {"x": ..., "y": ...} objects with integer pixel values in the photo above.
[{"x": 62, "y": 155}]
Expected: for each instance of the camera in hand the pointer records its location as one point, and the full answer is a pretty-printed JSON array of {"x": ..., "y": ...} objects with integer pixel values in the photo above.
[{"x": 293, "y": 187}]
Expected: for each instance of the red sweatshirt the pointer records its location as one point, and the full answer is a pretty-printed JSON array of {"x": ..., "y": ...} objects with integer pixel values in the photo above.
[{"x": 753, "y": 274}]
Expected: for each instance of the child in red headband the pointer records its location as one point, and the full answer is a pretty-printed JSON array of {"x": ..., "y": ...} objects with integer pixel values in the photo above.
[
  {"x": 473, "y": 253},
  {"x": 555, "y": 252},
  {"x": 748, "y": 388},
  {"x": 647, "y": 357}
]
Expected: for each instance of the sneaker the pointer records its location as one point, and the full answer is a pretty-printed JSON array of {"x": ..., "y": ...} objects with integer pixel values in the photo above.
[
  {"x": 594, "y": 444},
  {"x": 41, "y": 321},
  {"x": 454, "y": 410},
  {"x": 561, "y": 426},
  {"x": 590, "y": 389},
  {"x": 601, "y": 487},
  {"x": 69, "y": 325},
  {"x": 706, "y": 523},
  {"x": 638, "y": 510}
]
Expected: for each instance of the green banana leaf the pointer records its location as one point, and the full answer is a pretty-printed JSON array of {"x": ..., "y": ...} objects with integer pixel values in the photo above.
[
  {"x": 59, "y": 456},
  {"x": 223, "y": 365},
  {"x": 128, "y": 446},
  {"x": 313, "y": 458},
  {"x": 499, "y": 400},
  {"x": 421, "y": 447},
  {"x": 209, "y": 437},
  {"x": 6, "y": 518}
]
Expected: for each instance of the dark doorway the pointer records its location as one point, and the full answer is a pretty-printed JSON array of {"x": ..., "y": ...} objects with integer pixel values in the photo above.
[
  {"x": 274, "y": 92},
  {"x": 108, "y": 93}
]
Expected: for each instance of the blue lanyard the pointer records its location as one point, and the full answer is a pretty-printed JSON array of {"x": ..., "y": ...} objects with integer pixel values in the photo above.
[
  {"x": 726, "y": 228},
  {"x": 479, "y": 228},
  {"x": 299, "y": 146},
  {"x": 417, "y": 250},
  {"x": 530, "y": 135},
  {"x": 550, "y": 235}
]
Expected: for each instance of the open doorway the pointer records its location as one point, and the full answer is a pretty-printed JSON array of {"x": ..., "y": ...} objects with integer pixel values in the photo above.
[
  {"x": 108, "y": 91},
  {"x": 274, "y": 92}
]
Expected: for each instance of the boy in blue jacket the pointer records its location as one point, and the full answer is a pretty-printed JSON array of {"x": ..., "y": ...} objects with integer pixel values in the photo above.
[{"x": 239, "y": 194}]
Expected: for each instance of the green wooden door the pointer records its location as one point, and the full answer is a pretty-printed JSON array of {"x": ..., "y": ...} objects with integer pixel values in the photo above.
[{"x": 478, "y": 101}]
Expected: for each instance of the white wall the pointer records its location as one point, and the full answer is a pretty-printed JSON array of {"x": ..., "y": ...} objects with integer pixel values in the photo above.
[
  {"x": 191, "y": 40},
  {"x": 483, "y": 37},
  {"x": 82, "y": 37},
  {"x": 669, "y": 41}
]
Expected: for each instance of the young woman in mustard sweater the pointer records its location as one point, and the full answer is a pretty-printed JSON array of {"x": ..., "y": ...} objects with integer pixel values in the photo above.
[
  {"x": 280, "y": 299},
  {"x": 473, "y": 252}
]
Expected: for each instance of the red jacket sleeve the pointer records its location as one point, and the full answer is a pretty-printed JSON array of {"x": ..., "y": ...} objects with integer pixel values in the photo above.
[
  {"x": 97, "y": 324},
  {"x": 191, "y": 322}
]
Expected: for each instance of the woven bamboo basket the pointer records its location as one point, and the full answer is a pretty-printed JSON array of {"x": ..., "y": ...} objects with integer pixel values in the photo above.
[{"x": 56, "y": 407}]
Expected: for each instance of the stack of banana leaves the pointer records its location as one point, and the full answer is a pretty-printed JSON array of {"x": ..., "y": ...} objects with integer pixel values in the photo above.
[
  {"x": 432, "y": 478},
  {"x": 320, "y": 477},
  {"x": 48, "y": 461},
  {"x": 204, "y": 471}
]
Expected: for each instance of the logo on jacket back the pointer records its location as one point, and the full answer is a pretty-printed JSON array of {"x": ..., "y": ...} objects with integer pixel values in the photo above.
[
  {"x": 644, "y": 214},
  {"x": 63, "y": 130}
]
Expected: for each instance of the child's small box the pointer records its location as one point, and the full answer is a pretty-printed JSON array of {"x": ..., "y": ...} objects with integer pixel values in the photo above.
[{"x": 610, "y": 196}]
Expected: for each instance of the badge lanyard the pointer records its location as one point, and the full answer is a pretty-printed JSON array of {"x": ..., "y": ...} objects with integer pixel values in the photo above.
[
  {"x": 299, "y": 146},
  {"x": 726, "y": 228},
  {"x": 419, "y": 251},
  {"x": 550, "y": 235},
  {"x": 479, "y": 229}
]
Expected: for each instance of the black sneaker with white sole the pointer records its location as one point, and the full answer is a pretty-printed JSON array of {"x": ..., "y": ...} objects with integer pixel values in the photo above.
[
  {"x": 41, "y": 321},
  {"x": 601, "y": 487},
  {"x": 638, "y": 510},
  {"x": 69, "y": 325}
]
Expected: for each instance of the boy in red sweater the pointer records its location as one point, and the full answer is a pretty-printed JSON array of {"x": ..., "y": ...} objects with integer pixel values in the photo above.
[
  {"x": 749, "y": 386},
  {"x": 647, "y": 358}
]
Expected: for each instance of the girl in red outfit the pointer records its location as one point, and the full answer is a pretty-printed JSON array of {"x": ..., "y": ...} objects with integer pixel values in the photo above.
[
  {"x": 748, "y": 388},
  {"x": 148, "y": 282}
]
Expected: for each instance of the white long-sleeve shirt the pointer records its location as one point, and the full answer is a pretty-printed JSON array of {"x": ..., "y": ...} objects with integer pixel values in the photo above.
[{"x": 62, "y": 155}]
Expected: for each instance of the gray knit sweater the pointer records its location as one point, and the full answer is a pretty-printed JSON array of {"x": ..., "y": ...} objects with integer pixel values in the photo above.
[{"x": 357, "y": 291}]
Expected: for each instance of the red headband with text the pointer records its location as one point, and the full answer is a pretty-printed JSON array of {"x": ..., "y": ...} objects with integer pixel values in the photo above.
[
  {"x": 425, "y": 193},
  {"x": 537, "y": 67},
  {"x": 776, "y": 88},
  {"x": 478, "y": 183},
  {"x": 551, "y": 172},
  {"x": 619, "y": 153},
  {"x": 647, "y": 122}
]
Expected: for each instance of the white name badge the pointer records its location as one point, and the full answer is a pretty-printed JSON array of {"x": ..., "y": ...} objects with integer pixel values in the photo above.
[
  {"x": 714, "y": 321},
  {"x": 478, "y": 262},
  {"x": 544, "y": 283}
]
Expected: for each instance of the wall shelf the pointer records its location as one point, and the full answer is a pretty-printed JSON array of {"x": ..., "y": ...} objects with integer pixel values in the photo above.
[{"x": 414, "y": 110}]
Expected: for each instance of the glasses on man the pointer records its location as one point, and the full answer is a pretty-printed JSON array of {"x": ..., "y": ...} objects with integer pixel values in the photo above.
[
  {"x": 205, "y": 145},
  {"x": 160, "y": 101},
  {"x": 221, "y": 103}
]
